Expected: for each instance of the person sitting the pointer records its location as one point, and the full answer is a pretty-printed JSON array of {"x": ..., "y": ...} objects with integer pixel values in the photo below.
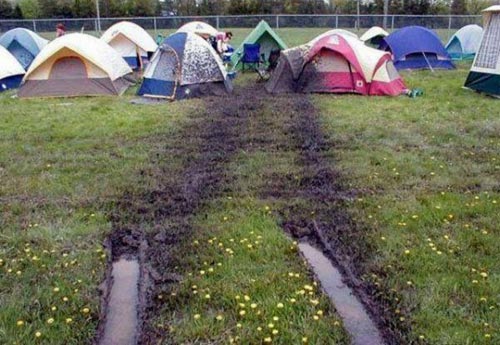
[
  {"x": 222, "y": 40},
  {"x": 60, "y": 30}
]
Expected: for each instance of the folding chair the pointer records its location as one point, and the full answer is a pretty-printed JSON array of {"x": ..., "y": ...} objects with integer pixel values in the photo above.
[{"x": 251, "y": 55}]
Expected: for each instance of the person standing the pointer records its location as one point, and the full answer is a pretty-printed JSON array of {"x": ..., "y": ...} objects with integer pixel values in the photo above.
[{"x": 60, "y": 30}]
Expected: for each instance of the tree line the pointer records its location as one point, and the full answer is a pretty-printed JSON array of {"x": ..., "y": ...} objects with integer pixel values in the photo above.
[{"x": 28, "y": 9}]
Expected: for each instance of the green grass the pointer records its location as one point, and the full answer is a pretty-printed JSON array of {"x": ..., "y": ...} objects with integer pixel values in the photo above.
[
  {"x": 431, "y": 170},
  {"x": 63, "y": 164}
]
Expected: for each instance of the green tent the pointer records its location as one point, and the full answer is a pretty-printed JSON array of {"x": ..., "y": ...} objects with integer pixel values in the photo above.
[{"x": 266, "y": 37}]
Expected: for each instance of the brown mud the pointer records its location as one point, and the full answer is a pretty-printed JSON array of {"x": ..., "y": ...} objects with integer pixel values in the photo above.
[{"x": 190, "y": 167}]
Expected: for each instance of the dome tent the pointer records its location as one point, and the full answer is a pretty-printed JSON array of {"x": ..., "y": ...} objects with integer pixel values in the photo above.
[
  {"x": 338, "y": 63},
  {"x": 131, "y": 41},
  {"x": 374, "y": 36},
  {"x": 200, "y": 28},
  {"x": 23, "y": 44},
  {"x": 11, "y": 71},
  {"x": 484, "y": 75},
  {"x": 76, "y": 65},
  {"x": 415, "y": 47},
  {"x": 185, "y": 66},
  {"x": 464, "y": 44},
  {"x": 263, "y": 35}
]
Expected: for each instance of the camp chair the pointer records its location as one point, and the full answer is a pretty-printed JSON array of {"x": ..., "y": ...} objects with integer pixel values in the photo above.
[
  {"x": 251, "y": 55},
  {"x": 159, "y": 39}
]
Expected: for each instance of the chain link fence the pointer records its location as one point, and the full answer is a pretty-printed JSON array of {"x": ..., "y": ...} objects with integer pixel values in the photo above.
[{"x": 156, "y": 24}]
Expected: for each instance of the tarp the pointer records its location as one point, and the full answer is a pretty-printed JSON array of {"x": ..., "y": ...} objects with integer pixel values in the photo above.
[
  {"x": 374, "y": 35},
  {"x": 75, "y": 65},
  {"x": 130, "y": 41},
  {"x": 11, "y": 71},
  {"x": 339, "y": 63},
  {"x": 199, "y": 28},
  {"x": 263, "y": 35},
  {"x": 484, "y": 75},
  {"x": 464, "y": 44},
  {"x": 24, "y": 44},
  {"x": 184, "y": 66},
  {"x": 415, "y": 47}
]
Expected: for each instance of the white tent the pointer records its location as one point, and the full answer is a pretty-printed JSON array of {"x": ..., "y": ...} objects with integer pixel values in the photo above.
[
  {"x": 75, "y": 65},
  {"x": 374, "y": 35},
  {"x": 11, "y": 71},
  {"x": 200, "y": 28},
  {"x": 465, "y": 42},
  {"x": 484, "y": 75},
  {"x": 333, "y": 32},
  {"x": 131, "y": 41}
]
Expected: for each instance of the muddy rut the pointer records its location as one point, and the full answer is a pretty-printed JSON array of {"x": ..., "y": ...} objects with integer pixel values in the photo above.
[{"x": 189, "y": 168}]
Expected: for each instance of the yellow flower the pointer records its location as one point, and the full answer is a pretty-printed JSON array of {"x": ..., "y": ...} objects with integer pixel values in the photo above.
[
  {"x": 246, "y": 298},
  {"x": 50, "y": 321},
  {"x": 38, "y": 334},
  {"x": 207, "y": 296},
  {"x": 259, "y": 329},
  {"x": 56, "y": 289},
  {"x": 69, "y": 320},
  {"x": 65, "y": 299},
  {"x": 484, "y": 274},
  {"x": 53, "y": 308},
  {"x": 407, "y": 252},
  {"x": 293, "y": 300},
  {"x": 319, "y": 312},
  {"x": 316, "y": 317},
  {"x": 267, "y": 340},
  {"x": 253, "y": 305},
  {"x": 275, "y": 318},
  {"x": 85, "y": 310},
  {"x": 270, "y": 325},
  {"x": 304, "y": 339},
  {"x": 242, "y": 312},
  {"x": 238, "y": 325},
  {"x": 421, "y": 337},
  {"x": 275, "y": 331},
  {"x": 315, "y": 301},
  {"x": 202, "y": 272},
  {"x": 280, "y": 305},
  {"x": 308, "y": 287},
  {"x": 196, "y": 316},
  {"x": 219, "y": 317},
  {"x": 20, "y": 323}
]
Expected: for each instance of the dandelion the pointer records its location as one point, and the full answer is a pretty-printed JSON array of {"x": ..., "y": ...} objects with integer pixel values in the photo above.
[
  {"x": 207, "y": 296},
  {"x": 246, "y": 298},
  {"x": 69, "y": 320},
  {"x": 320, "y": 312},
  {"x": 267, "y": 340},
  {"x": 407, "y": 252},
  {"x": 196, "y": 316},
  {"x": 275, "y": 331},
  {"x": 253, "y": 305},
  {"x": 38, "y": 334},
  {"x": 308, "y": 287},
  {"x": 487, "y": 335},
  {"x": 421, "y": 337},
  {"x": 314, "y": 301},
  {"x": 65, "y": 299},
  {"x": 242, "y": 312},
  {"x": 304, "y": 339},
  {"x": 280, "y": 305},
  {"x": 50, "y": 321},
  {"x": 293, "y": 300},
  {"x": 409, "y": 283},
  {"x": 336, "y": 323},
  {"x": 238, "y": 325},
  {"x": 56, "y": 289},
  {"x": 242, "y": 305},
  {"x": 270, "y": 325},
  {"x": 219, "y": 317},
  {"x": 275, "y": 318},
  {"x": 53, "y": 308},
  {"x": 202, "y": 272},
  {"x": 20, "y": 323},
  {"x": 316, "y": 317},
  {"x": 484, "y": 274},
  {"x": 475, "y": 281}
]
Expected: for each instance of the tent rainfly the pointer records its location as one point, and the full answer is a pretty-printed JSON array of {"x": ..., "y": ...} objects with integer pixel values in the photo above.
[
  {"x": 132, "y": 42},
  {"x": 200, "y": 28},
  {"x": 464, "y": 44},
  {"x": 185, "y": 66},
  {"x": 24, "y": 44},
  {"x": 76, "y": 65},
  {"x": 484, "y": 75},
  {"x": 374, "y": 36},
  {"x": 11, "y": 71},
  {"x": 263, "y": 35},
  {"x": 415, "y": 47},
  {"x": 339, "y": 63}
]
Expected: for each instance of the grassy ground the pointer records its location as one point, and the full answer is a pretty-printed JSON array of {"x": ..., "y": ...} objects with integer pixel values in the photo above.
[{"x": 430, "y": 171}]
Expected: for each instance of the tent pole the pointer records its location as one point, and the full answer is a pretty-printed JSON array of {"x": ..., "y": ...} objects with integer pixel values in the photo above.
[{"x": 428, "y": 63}]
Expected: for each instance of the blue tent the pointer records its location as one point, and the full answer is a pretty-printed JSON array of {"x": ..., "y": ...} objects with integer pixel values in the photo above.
[
  {"x": 465, "y": 42},
  {"x": 23, "y": 44},
  {"x": 415, "y": 47},
  {"x": 184, "y": 66}
]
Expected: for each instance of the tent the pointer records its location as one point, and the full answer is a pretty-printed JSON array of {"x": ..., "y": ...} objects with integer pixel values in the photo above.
[
  {"x": 484, "y": 75},
  {"x": 185, "y": 66},
  {"x": 200, "y": 28},
  {"x": 464, "y": 44},
  {"x": 131, "y": 41},
  {"x": 23, "y": 44},
  {"x": 338, "y": 63},
  {"x": 11, "y": 71},
  {"x": 76, "y": 65},
  {"x": 374, "y": 36},
  {"x": 415, "y": 47},
  {"x": 263, "y": 35}
]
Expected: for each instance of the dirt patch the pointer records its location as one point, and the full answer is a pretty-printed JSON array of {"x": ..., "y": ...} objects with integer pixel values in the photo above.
[{"x": 188, "y": 169}]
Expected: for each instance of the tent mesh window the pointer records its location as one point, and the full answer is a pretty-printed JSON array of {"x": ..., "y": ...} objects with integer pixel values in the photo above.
[
  {"x": 489, "y": 52},
  {"x": 167, "y": 66}
]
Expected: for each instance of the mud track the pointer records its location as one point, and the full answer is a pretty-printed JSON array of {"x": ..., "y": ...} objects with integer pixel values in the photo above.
[{"x": 190, "y": 167}]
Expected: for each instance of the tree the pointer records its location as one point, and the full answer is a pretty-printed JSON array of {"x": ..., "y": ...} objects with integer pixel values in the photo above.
[
  {"x": 6, "y": 10},
  {"x": 48, "y": 8},
  {"x": 458, "y": 7},
  {"x": 30, "y": 9}
]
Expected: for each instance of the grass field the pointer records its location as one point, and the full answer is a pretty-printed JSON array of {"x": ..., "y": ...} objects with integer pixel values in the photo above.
[{"x": 426, "y": 173}]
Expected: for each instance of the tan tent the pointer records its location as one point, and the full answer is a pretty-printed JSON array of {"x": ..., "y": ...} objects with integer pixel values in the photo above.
[{"x": 76, "y": 65}]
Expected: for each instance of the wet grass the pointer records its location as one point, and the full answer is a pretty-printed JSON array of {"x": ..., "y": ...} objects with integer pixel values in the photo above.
[
  {"x": 428, "y": 172},
  {"x": 63, "y": 165}
]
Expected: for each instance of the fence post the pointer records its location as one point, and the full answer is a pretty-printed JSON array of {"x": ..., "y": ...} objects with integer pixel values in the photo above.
[
  {"x": 217, "y": 21},
  {"x": 449, "y": 26},
  {"x": 336, "y": 22},
  {"x": 34, "y": 25},
  {"x": 154, "y": 25},
  {"x": 392, "y": 23},
  {"x": 277, "y": 21}
]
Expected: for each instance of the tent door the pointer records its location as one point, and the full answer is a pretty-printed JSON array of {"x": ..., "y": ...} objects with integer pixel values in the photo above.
[
  {"x": 168, "y": 70},
  {"x": 71, "y": 67},
  {"x": 21, "y": 54}
]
